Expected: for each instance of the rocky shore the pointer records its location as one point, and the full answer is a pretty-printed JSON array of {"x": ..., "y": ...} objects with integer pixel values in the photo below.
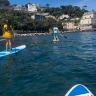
[
  {"x": 32, "y": 34},
  {"x": 28, "y": 34},
  {"x": 37, "y": 34}
]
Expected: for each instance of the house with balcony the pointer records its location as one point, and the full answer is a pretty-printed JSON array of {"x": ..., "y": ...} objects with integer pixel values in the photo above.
[
  {"x": 70, "y": 26},
  {"x": 88, "y": 21}
]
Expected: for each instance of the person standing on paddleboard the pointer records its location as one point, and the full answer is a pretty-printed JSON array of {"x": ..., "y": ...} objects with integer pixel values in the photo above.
[
  {"x": 8, "y": 34},
  {"x": 55, "y": 30}
]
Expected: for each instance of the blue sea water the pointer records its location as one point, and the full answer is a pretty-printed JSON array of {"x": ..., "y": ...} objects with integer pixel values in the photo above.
[{"x": 47, "y": 68}]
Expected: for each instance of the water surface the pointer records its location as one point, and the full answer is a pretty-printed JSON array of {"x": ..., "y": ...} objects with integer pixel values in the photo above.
[{"x": 47, "y": 68}]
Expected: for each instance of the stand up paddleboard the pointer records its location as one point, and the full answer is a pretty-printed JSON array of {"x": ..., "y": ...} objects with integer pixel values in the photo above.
[
  {"x": 79, "y": 90},
  {"x": 56, "y": 40},
  {"x": 10, "y": 52}
]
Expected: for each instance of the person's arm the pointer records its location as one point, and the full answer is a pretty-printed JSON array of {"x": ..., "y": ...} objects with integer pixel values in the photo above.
[{"x": 5, "y": 28}]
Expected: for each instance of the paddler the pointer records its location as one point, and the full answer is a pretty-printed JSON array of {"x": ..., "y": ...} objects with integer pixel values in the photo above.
[
  {"x": 8, "y": 34},
  {"x": 55, "y": 31}
]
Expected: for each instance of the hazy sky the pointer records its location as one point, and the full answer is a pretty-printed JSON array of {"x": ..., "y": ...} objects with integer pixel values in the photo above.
[{"x": 91, "y": 4}]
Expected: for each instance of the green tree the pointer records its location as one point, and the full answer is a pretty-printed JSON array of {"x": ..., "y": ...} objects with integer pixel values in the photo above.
[
  {"x": 4, "y": 3},
  {"x": 47, "y": 5}
]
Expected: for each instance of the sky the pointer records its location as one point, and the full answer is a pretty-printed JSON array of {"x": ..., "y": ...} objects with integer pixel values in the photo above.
[{"x": 91, "y": 4}]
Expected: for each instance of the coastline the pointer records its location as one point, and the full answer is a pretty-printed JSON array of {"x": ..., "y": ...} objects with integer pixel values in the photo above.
[
  {"x": 46, "y": 33},
  {"x": 37, "y": 34},
  {"x": 28, "y": 34},
  {"x": 31, "y": 34}
]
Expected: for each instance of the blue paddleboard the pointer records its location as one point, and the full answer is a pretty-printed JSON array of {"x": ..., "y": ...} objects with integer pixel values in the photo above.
[
  {"x": 79, "y": 90},
  {"x": 10, "y": 52}
]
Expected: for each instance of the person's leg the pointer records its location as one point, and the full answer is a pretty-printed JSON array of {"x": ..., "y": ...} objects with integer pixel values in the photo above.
[
  {"x": 10, "y": 43},
  {"x": 7, "y": 44},
  {"x": 56, "y": 36}
]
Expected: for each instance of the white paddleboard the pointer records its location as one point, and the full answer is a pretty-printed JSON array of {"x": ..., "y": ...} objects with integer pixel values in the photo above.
[
  {"x": 56, "y": 40},
  {"x": 79, "y": 90},
  {"x": 10, "y": 52}
]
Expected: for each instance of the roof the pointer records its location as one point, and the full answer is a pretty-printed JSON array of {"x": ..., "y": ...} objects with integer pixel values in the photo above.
[{"x": 91, "y": 12}]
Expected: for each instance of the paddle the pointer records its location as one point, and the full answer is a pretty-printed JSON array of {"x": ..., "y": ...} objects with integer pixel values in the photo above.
[
  {"x": 63, "y": 35},
  {"x": 14, "y": 40}
]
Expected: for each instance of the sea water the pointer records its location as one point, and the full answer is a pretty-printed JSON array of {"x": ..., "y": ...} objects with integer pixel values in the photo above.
[{"x": 47, "y": 68}]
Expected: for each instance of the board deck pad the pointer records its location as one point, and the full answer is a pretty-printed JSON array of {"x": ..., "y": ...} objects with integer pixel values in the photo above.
[
  {"x": 56, "y": 40},
  {"x": 14, "y": 50},
  {"x": 79, "y": 90}
]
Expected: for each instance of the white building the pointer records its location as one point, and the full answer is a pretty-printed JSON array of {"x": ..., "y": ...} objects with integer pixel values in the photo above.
[
  {"x": 33, "y": 7},
  {"x": 70, "y": 26},
  {"x": 88, "y": 21},
  {"x": 75, "y": 19},
  {"x": 38, "y": 17},
  {"x": 18, "y": 7},
  {"x": 50, "y": 16},
  {"x": 64, "y": 16}
]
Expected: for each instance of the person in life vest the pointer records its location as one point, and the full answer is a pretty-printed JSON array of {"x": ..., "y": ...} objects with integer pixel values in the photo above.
[
  {"x": 55, "y": 30},
  {"x": 8, "y": 34}
]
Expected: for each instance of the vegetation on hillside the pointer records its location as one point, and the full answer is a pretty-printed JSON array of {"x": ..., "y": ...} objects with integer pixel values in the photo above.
[
  {"x": 4, "y": 3},
  {"x": 22, "y": 20},
  {"x": 72, "y": 11}
]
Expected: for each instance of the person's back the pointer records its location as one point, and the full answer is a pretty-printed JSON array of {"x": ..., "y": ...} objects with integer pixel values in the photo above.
[
  {"x": 7, "y": 30},
  {"x": 55, "y": 30}
]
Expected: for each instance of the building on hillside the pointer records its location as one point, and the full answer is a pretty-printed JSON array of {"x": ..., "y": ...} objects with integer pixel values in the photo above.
[
  {"x": 50, "y": 16},
  {"x": 63, "y": 17},
  {"x": 33, "y": 7},
  {"x": 88, "y": 21},
  {"x": 44, "y": 14},
  {"x": 70, "y": 26},
  {"x": 17, "y": 7},
  {"x": 38, "y": 17},
  {"x": 75, "y": 19},
  {"x": 47, "y": 15}
]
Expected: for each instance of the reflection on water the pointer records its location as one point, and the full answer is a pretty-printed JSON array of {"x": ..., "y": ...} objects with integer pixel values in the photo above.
[
  {"x": 56, "y": 50},
  {"x": 46, "y": 68}
]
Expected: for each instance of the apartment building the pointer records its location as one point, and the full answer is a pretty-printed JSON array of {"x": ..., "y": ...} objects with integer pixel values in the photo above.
[
  {"x": 88, "y": 21},
  {"x": 70, "y": 26}
]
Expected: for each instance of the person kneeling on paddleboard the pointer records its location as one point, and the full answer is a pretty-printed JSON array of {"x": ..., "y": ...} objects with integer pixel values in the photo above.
[
  {"x": 8, "y": 34},
  {"x": 55, "y": 30}
]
